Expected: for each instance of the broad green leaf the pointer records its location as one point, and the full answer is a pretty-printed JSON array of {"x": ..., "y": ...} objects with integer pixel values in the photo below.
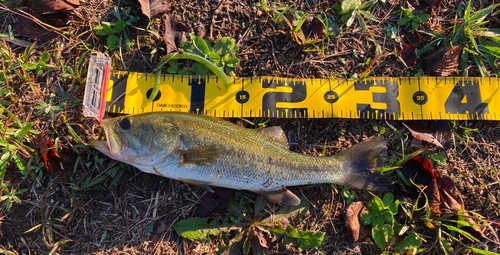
[
  {"x": 378, "y": 237},
  {"x": 119, "y": 26},
  {"x": 201, "y": 45},
  {"x": 217, "y": 46},
  {"x": 388, "y": 233},
  {"x": 199, "y": 229},
  {"x": 174, "y": 63},
  {"x": 201, "y": 70},
  {"x": 388, "y": 218},
  {"x": 377, "y": 202},
  {"x": 107, "y": 28},
  {"x": 99, "y": 30},
  {"x": 231, "y": 61},
  {"x": 411, "y": 241},
  {"x": 304, "y": 239},
  {"x": 422, "y": 17},
  {"x": 227, "y": 45},
  {"x": 289, "y": 212},
  {"x": 230, "y": 71},
  {"x": 212, "y": 56},
  {"x": 172, "y": 70},
  {"x": 393, "y": 208},
  {"x": 348, "y": 6},
  {"x": 367, "y": 218},
  {"x": 388, "y": 199},
  {"x": 45, "y": 57},
  {"x": 112, "y": 41}
]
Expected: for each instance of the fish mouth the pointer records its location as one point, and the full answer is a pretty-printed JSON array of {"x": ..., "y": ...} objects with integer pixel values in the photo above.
[{"x": 112, "y": 145}]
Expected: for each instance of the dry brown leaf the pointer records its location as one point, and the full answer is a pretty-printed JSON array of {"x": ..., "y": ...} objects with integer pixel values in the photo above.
[
  {"x": 434, "y": 132},
  {"x": 159, "y": 228},
  {"x": 434, "y": 198},
  {"x": 44, "y": 6},
  {"x": 151, "y": 8},
  {"x": 28, "y": 28},
  {"x": 444, "y": 61},
  {"x": 215, "y": 202},
  {"x": 352, "y": 215},
  {"x": 262, "y": 239},
  {"x": 175, "y": 34}
]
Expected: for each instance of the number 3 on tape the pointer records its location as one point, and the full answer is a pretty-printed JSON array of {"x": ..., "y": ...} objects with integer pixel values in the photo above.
[{"x": 410, "y": 98}]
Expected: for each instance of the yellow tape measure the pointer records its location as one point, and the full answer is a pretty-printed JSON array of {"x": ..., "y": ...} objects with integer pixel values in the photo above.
[{"x": 408, "y": 98}]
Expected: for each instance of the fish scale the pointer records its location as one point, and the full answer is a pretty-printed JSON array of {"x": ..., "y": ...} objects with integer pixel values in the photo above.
[{"x": 207, "y": 151}]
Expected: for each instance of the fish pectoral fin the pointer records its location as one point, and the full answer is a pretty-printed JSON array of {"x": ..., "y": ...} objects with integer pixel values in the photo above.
[
  {"x": 277, "y": 134},
  {"x": 201, "y": 156},
  {"x": 282, "y": 196},
  {"x": 202, "y": 185}
]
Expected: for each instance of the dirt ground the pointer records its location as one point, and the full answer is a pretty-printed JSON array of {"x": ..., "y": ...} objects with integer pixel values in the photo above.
[{"x": 136, "y": 214}]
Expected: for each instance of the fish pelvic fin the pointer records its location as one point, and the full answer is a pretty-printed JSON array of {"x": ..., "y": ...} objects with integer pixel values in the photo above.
[
  {"x": 360, "y": 163},
  {"x": 282, "y": 196}
]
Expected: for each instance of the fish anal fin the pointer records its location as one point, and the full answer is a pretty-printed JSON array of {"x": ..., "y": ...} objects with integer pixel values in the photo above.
[
  {"x": 202, "y": 185},
  {"x": 277, "y": 134},
  {"x": 282, "y": 196},
  {"x": 201, "y": 156}
]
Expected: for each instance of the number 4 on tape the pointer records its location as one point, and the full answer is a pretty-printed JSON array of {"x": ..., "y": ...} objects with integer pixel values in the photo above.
[{"x": 410, "y": 98}]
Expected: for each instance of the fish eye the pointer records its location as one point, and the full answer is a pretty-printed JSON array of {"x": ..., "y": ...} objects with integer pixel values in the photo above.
[{"x": 125, "y": 123}]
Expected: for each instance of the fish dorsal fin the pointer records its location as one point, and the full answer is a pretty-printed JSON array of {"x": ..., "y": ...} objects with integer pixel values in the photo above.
[
  {"x": 277, "y": 134},
  {"x": 200, "y": 156},
  {"x": 202, "y": 185},
  {"x": 282, "y": 196}
]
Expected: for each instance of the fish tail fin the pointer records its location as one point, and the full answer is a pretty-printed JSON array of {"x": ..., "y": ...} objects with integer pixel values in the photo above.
[{"x": 360, "y": 163}]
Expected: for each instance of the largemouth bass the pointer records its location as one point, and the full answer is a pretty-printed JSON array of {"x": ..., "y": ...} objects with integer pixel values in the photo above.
[{"x": 207, "y": 151}]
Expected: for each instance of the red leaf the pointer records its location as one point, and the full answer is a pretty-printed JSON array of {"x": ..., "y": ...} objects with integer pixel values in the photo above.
[
  {"x": 215, "y": 202},
  {"x": 51, "y": 159},
  {"x": 151, "y": 8},
  {"x": 433, "y": 3},
  {"x": 408, "y": 54},
  {"x": 444, "y": 61},
  {"x": 312, "y": 28},
  {"x": 419, "y": 170},
  {"x": 414, "y": 39}
]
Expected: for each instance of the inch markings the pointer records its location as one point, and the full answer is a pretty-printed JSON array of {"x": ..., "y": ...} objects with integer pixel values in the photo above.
[{"x": 372, "y": 98}]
